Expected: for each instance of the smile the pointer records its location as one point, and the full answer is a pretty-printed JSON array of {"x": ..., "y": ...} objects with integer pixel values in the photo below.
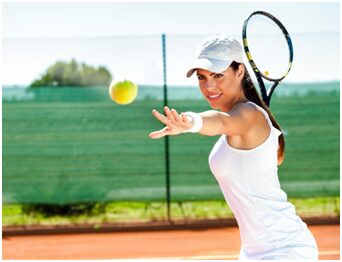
[{"x": 214, "y": 97}]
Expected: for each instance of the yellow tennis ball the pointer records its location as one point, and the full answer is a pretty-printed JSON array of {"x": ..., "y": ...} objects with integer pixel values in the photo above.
[
  {"x": 266, "y": 73},
  {"x": 123, "y": 92}
]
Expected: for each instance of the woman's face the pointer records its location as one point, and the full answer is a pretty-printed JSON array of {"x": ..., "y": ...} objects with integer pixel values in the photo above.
[{"x": 222, "y": 90}]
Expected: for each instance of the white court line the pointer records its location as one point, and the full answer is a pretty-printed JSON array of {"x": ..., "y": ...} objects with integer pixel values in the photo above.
[
  {"x": 221, "y": 256},
  {"x": 333, "y": 252},
  {"x": 213, "y": 257}
]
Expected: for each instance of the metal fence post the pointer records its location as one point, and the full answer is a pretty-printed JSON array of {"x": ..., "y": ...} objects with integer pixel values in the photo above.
[{"x": 167, "y": 157}]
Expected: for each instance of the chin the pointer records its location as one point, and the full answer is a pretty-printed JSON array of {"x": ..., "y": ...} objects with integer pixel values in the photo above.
[{"x": 214, "y": 105}]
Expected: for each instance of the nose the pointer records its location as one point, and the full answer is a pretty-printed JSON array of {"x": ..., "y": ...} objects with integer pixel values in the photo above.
[{"x": 210, "y": 83}]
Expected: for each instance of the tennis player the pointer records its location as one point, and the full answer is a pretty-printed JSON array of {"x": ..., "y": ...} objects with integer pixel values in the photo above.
[{"x": 246, "y": 156}]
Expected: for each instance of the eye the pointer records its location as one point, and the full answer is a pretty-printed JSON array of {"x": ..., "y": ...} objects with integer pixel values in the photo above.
[
  {"x": 218, "y": 76},
  {"x": 199, "y": 77}
]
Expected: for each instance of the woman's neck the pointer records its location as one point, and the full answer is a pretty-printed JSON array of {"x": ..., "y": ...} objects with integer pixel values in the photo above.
[{"x": 241, "y": 99}]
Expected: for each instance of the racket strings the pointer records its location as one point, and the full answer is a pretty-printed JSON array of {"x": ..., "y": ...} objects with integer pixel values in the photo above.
[{"x": 268, "y": 46}]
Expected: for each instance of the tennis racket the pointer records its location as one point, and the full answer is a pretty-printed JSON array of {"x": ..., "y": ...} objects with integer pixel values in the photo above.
[{"x": 269, "y": 50}]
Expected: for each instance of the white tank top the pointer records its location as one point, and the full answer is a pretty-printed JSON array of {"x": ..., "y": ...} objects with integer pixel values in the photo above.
[{"x": 250, "y": 185}]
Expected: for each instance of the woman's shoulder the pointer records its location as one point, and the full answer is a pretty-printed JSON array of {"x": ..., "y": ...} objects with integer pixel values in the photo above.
[
  {"x": 247, "y": 108},
  {"x": 252, "y": 113}
]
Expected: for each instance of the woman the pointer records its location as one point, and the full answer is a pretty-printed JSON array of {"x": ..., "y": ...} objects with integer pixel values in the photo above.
[{"x": 245, "y": 158}]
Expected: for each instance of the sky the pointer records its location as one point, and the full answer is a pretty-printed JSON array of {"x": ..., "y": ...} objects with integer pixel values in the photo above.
[{"x": 125, "y": 37}]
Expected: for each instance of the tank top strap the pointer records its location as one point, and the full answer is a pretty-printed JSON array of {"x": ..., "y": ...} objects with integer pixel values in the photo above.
[{"x": 277, "y": 131}]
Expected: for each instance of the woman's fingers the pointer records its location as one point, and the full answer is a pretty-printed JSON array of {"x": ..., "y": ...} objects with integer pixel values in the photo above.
[
  {"x": 176, "y": 115},
  {"x": 174, "y": 123},
  {"x": 168, "y": 113},
  {"x": 159, "y": 133},
  {"x": 171, "y": 116},
  {"x": 160, "y": 117}
]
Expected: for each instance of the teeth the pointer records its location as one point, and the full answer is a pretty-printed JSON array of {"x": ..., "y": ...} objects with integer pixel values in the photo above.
[{"x": 214, "y": 96}]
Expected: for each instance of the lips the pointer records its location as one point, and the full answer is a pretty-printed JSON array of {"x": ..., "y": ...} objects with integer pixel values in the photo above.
[{"x": 214, "y": 97}]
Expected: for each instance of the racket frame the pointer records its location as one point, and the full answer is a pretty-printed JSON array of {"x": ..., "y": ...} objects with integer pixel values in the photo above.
[{"x": 266, "y": 94}]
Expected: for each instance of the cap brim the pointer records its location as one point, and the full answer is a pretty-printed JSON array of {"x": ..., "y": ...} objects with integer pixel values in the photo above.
[{"x": 213, "y": 65}]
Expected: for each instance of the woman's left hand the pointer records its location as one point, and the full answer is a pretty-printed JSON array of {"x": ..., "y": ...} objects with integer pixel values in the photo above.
[{"x": 175, "y": 123}]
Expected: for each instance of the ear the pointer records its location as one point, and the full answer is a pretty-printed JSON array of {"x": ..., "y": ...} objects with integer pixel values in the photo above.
[{"x": 241, "y": 72}]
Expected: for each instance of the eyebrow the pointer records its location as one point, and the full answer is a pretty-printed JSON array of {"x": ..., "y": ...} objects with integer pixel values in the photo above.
[{"x": 204, "y": 75}]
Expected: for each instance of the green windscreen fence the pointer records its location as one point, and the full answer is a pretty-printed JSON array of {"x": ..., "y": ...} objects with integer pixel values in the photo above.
[
  {"x": 71, "y": 145},
  {"x": 64, "y": 145}
]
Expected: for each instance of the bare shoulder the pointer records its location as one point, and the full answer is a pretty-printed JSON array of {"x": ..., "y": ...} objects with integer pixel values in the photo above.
[
  {"x": 245, "y": 110},
  {"x": 256, "y": 128},
  {"x": 250, "y": 114},
  {"x": 245, "y": 119}
]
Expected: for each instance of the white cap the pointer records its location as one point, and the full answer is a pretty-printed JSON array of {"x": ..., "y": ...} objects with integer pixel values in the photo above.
[{"x": 216, "y": 53}]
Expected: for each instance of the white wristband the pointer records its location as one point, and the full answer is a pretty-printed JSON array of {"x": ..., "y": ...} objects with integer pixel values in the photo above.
[{"x": 196, "y": 119}]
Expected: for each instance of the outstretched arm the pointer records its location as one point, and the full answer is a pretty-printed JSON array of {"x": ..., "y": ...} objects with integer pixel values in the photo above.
[{"x": 237, "y": 122}]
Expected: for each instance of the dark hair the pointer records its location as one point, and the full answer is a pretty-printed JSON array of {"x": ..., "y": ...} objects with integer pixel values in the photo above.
[{"x": 252, "y": 95}]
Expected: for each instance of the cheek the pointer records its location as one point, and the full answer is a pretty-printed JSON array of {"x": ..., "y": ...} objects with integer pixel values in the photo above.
[
  {"x": 226, "y": 86},
  {"x": 201, "y": 86},
  {"x": 229, "y": 86}
]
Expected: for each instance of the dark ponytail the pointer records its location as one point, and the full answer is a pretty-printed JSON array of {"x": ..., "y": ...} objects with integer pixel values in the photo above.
[{"x": 252, "y": 95}]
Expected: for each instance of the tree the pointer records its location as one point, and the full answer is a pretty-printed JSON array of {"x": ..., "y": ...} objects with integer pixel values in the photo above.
[{"x": 73, "y": 74}]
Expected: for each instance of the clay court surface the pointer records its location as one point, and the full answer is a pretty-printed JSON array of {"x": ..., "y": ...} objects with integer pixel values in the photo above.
[{"x": 219, "y": 243}]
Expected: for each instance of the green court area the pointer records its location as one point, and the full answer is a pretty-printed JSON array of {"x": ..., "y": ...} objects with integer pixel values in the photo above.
[{"x": 72, "y": 145}]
